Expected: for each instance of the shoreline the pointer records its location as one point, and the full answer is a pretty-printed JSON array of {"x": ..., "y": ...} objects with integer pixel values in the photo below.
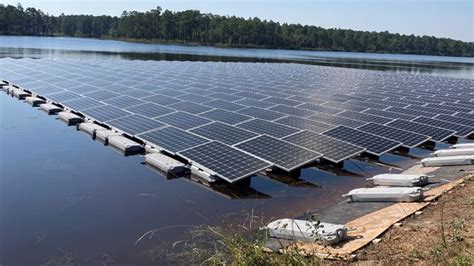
[{"x": 223, "y": 46}]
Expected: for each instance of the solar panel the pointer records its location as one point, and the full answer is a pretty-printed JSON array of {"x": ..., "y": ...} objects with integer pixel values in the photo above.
[
  {"x": 410, "y": 112},
  {"x": 407, "y": 138},
  {"x": 183, "y": 120},
  {"x": 225, "y": 105},
  {"x": 368, "y": 104},
  {"x": 365, "y": 117},
  {"x": 150, "y": 110},
  {"x": 116, "y": 88},
  {"x": 137, "y": 93},
  {"x": 105, "y": 113},
  {"x": 243, "y": 101},
  {"x": 280, "y": 153},
  {"x": 195, "y": 98},
  {"x": 63, "y": 96},
  {"x": 345, "y": 106},
  {"x": 302, "y": 123},
  {"x": 161, "y": 99},
  {"x": 226, "y": 162},
  {"x": 372, "y": 143},
  {"x": 250, "y": 95},
  {"x": 172, "y": 139},
  {"x": 436, "y": 134},
  {"x": 292, "y": 111},
  {"x": 190, "y": 107},
  {"x": 320, "y": 108},
  {"x": 101, "y": 95},
  {"x": 331, "y": 149},
  {"x": 389, "y": 114},
  {"x": 169, "y": 92},
  {"x": 123, "y": 101},
  {"x": 336, "y": 120},
  {"x": 255, "y": 103},
  {"x": 261, "y": 113},
  {"x": 82, "y": 104},
  {"x": 277, "y": 100},
  {"x": 461, "y": 130},
  {"x": 224, "y": 96},
  {"x": 260, "y": 126},
  {"x": 135, "y": 124},
  {"x": 224, "y": 133},
  {"x": 456, "y": 119},
  {"x": 225, "y": 116},
  {"x": 46, "y": 90}
]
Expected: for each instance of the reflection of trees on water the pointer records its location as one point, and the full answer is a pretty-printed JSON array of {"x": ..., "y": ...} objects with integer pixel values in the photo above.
[{"x": 459, "y": 70}]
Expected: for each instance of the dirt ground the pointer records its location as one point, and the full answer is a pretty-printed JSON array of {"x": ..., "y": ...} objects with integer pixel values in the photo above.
[{"x": 443, "y": 234}]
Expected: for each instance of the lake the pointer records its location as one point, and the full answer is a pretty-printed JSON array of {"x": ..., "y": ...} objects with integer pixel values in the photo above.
[{"x": 64, "y": 195}]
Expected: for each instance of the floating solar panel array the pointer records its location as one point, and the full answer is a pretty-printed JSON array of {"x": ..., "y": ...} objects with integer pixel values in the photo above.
[{"x": 235, "y": 119}]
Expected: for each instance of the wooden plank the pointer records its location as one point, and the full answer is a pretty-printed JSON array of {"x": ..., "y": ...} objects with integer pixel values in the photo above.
[
  {"x": 367, "y": 228},
  {"x": 370, "y": 226}
]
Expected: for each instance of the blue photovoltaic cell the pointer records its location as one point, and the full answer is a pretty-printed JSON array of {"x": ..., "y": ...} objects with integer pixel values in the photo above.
[
  {"x": 302, "y": 123},
  {"x": 225, "y": 105},
  {"x": 106, "y": 113},
  {"x": 261, "y": 113},
  {"x": 436, "y": 133},
  {"x": 461, "y": 130},
  {"x": 269, "y": 128},
  {"x": 193, "y": 108},
  {"x": 227, "y": 162},
  {"x": 389, "y": 114},
  {"x": 365, "y": 117},
  {"x": 331, "y": 149},
  {"x": 82, "y": 89},
  {"x": 82, "y": 104},
  {"x": 337, "y": 120},
  {"x": 455, "y": 119},
  {"x": 150, "y": 110},
  {"x": 183, "y": 120},
  {"x": 63, "y": 96},
  {"x": 407, "y": 138},
  {"x": 225, "y": 116},
  {"x": 255, "y": 103},
  {"x": 101, "y": 95},
  {"x": 305, "y": 113},
  {"x": 173, "y": 139},
  {"x": 277, "y": 100},
  {"x": 161, "y": 99},
  {"x": 137, "y": 93},
  {"x": 372, "y": 143},
  {"x": 135, "y": 124},
  {"x": 123, "y": 101},
  {"x": 195, "y": 98},
  {"x": 320, "y": 108},
  {"x": 224, "y": 133},
  {"x": 280, "y": 153}
]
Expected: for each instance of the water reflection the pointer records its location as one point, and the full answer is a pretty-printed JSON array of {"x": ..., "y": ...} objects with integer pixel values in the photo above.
[{"x": 448, "y": 69}]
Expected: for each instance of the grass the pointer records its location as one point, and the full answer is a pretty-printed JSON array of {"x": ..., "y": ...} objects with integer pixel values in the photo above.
[{"x": 234, "y": 244}]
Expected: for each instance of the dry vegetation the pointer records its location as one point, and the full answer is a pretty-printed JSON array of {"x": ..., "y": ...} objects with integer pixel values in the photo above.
[{"x": 442, "y": 235}]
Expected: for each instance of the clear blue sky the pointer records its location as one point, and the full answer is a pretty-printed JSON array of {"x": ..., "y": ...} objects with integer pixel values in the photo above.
[{"x": 441, "y": 18}]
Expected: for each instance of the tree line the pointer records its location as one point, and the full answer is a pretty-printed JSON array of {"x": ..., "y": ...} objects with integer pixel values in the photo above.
[{"x": 194, "y": 27}]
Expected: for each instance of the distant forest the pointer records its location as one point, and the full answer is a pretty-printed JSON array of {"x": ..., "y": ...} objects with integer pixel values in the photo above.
[{"x": 194, "y": 27}]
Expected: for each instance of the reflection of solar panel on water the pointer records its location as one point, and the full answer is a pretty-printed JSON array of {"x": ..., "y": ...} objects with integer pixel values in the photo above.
[{"x": 236, "y": 119}]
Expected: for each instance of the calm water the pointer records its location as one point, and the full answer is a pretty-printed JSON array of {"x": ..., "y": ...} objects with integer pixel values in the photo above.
[
  {"x": 57, "y": 47},
  {"x": 61, "y": 193}
]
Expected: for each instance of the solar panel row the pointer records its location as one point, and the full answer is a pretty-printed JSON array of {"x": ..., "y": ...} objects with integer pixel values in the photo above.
[{"x": 309, "y": 111}]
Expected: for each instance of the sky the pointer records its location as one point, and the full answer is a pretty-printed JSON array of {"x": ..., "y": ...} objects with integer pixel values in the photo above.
[{"x": 441, "y": 18}]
